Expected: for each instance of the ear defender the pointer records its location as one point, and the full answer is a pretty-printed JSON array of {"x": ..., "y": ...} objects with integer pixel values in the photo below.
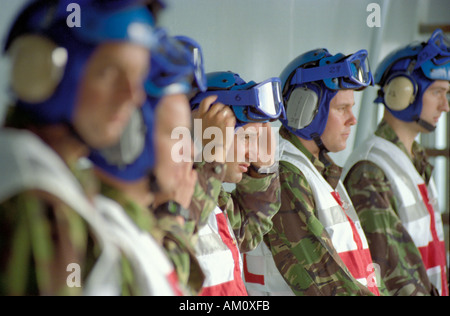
[
  {"x": 38, "y": 66},
  {"x": 131, "y": 143},
  {"x": 399, "y": 92},
  {"x": 302, "y": 107}
]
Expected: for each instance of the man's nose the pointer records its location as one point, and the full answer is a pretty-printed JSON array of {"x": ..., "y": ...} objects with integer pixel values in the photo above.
[{"x": 132, "y": 92}]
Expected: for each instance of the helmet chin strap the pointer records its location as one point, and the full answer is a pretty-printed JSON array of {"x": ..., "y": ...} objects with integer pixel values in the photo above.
[
  {"x": 153, "y": 182},
  {"x": 429, "y": 127},
  {"x": 322, "y": 149}
]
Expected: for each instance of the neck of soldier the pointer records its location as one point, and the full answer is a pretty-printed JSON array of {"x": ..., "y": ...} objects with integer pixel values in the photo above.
[
  {"x": 311, "y": 146},
  {"x": 137, "y": 190},
  {"x": 63, "y": 142},
  {"x": 406, "y": 131}
]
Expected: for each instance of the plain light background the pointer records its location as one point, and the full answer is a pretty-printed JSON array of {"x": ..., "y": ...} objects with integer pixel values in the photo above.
[{"x": 258, "y": 38}]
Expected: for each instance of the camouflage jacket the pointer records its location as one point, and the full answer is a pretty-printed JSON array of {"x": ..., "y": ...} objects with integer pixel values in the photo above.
[
  {"x": 206, "y": 193},
  {"x": 44, "y": 237},
  {"x": 169, "y": 234},
  {"x": 302, "y": 249},
  {"x": 390, "y": 244},
  {"x": 249, "y": 207},
  {"x": 41, "y": 237}
]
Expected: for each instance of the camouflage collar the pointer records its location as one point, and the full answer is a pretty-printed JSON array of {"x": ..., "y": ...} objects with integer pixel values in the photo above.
[
  {"x": 420, "y": 160},
  {"x": 143, "y": 218},
  {"x": 87, "y": 179},
  {"x": 331, "y": 173}
]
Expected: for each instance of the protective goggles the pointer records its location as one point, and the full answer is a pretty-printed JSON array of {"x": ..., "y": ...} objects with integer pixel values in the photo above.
[
  {"x": 172, "y": 67},
  {"x": 338, "y": 72},
  {"x": 259, "y": 103},
  {"x": 435, "y": 57},
  {"x": 197, "y": 60}
]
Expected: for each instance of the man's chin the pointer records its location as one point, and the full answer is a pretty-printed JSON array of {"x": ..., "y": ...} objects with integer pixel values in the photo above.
[
  {"x": 336, "y": 149},
  {"x": 111, "y": 138}
]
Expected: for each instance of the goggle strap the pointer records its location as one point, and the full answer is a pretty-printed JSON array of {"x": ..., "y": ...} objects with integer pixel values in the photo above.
[
  {"x": 240, "y": 98},
  {"x": 427, "y": 53},
  {"x": 303, "y": 75},
  {"x": 245, "y": 97}
]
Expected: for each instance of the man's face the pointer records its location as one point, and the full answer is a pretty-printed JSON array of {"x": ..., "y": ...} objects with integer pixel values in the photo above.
[
  {"x": 340, "y": 120},
  {"x": 111, "y": 89},
  {"x": 245, "y": 149},
  {"x": 173, "y": 111},
  {"x": 434, "y": 102}
]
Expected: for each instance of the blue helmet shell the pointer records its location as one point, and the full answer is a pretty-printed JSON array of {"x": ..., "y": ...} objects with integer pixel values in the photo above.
[
  {"x": 224, "y": 80},
  {"x": 227, "y": 80},
  {"x": 299, "y": 61}
]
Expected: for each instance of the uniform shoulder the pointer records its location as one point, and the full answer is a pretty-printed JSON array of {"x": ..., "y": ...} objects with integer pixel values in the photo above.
[{"x": 365, "y": 170}]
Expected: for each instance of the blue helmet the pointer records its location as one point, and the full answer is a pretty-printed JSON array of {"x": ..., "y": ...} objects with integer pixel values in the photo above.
[
  {"x": 406, "y": 73},
  {"x": 251, "y": 102},
  {"x": 187, "y": 73},
  {"x": 311, "y": 80},
  {"x": 172, "y": 68},
  {"x": 41, "y": 35}
]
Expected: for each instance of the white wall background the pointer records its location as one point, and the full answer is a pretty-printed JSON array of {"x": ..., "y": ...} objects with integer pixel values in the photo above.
[
  {"x": 258, "y": 38},
  {"x": 8, "y": 11}
]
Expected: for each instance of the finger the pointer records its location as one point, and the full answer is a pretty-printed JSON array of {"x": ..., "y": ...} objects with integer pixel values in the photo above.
[
  {"x": 194, "y": 176},
  {"x": 227, "y": 112},
  {"x": 206, "y": 104},
  {"x": 188, "y": 168},
  {"x": 195, "y": 114},
  {"x": 185, "y": 167},
  {"x": 230, "y": 120},
  {"x": 225, "y": 115},
  {"x": 215, "y": 109},
  {"x": 267, "y": 124}
]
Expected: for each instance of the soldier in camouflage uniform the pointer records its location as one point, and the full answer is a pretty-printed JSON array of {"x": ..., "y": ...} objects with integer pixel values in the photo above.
[
  {"x": 316, "y": 229},
  {"x": 175, "y": 187},
  {"x": 247, "y": 211},
  {"x": 395, "y": 242},
  {"x": 162, "y": 221},
  {"x": 49, "y": 226},
  {"x": 153, "y": 188}
]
